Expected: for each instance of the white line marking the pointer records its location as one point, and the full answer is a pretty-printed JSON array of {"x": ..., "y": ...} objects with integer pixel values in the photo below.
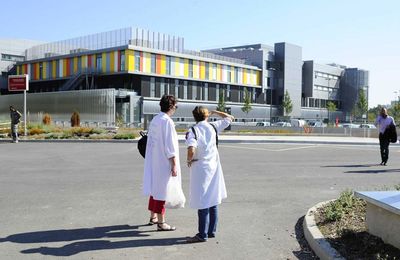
[{"x": 270, "y": 150}]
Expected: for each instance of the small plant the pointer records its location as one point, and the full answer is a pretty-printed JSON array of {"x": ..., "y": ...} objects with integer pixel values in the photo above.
[
  {"x": 75, "y": 119},
  {"x": 119, "y": 120},
  {"x": 343, "y": 205},
  {"x": 46, "y": 119},
  {"x": 125, "y": 136}
]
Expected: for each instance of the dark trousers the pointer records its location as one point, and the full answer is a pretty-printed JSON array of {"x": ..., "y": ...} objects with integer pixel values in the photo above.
[
  {"x": 384, "y": 145},
  {"x": 208, "y": 219}
]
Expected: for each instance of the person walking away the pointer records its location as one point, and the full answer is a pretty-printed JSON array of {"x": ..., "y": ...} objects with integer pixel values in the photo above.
[
  {"x": 207, "y": 185},
  {"x": 383, "y": 121},
  {"x": 15, "y": 117},
  {"x": 161, "y": 161}
]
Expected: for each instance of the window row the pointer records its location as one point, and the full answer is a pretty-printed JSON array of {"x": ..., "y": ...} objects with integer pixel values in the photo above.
[
  {"x": 193, "y": 90},
  {"x": 325, "y": 75}
]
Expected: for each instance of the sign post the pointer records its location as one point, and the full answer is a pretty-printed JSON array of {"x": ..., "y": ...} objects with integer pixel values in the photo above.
[{"x": 19, "y": 83}]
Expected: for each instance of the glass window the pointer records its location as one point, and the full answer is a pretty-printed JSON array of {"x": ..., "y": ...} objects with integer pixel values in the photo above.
[
  {"x": 11, "y": 57},
  {"x": 207, "y": 70},
  {"x": 194, "y": 91},
  {"x": 152, "y": 87},
  {"x": 98, "y": 62},
  {"x": 205, "y": 91},
  {"x": 229, "y": 73},
  {"x": 40, "y": 70},
  {"x": 214, "y": 71},
  {"x": 191, "y": 68},
  {"x": 177, "y": 88},
  {"x": 153, "y": 63},
  {"x": 228, "y": 92},
  {"x": 137, "y": 61},
  {"x": 236, "y": 75},
  {"x": 185, "y": 89},
  {"x": 122, "y": 59},
  {"x": 168, "y": 65}
]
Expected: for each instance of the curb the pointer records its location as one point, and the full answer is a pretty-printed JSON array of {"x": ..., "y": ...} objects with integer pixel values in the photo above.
[
  {"x": 238, "y": 141},
  {"x": 314, "y": 237}
]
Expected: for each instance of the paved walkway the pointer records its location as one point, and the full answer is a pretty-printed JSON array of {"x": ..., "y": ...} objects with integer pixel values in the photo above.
[
  {"x": 244, "y": 138},
  {"x": 295, "y": 139}
]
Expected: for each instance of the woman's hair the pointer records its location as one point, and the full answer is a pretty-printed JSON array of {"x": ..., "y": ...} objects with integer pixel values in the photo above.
[
  {"x": 384, "y": 112},
  {"x": 200, "y": 113},
  {"x": 167, "y": 102}
]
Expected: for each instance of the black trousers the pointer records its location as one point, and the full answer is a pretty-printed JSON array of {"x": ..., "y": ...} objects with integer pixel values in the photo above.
[{"x": 384, "y": 145}]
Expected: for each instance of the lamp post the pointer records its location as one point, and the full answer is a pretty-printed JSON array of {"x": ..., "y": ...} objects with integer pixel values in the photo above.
[{"x": 270, "y": 106}]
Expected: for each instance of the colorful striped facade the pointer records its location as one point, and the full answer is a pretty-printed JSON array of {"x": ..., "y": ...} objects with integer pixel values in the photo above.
[{"x": 144, "y": 63}]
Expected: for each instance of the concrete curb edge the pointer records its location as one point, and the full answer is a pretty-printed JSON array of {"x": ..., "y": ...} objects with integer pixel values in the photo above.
[
  {"x": 314, "y": 237},
  {"x": 182, "y": 141}
]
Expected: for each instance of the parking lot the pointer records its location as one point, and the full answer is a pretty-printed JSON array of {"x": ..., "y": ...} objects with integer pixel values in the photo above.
[{"x": 83, "y": 200}]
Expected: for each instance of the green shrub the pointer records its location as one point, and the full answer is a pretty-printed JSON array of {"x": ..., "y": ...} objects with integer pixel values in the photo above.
[
  {"x": 335, "y": 210},
  {"x": 125, "y": 136}
]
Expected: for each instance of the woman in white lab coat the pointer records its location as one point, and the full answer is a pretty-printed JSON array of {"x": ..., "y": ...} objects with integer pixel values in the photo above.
[
  {"x": 161, "y": 161},
  {"x": 207, "y": 185}
]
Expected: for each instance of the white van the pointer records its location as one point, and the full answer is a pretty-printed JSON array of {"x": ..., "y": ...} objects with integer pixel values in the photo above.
[{"x": 297, "y": 122}]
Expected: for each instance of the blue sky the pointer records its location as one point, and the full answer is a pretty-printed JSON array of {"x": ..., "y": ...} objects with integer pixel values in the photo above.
[{"x": 356, "y": 33}]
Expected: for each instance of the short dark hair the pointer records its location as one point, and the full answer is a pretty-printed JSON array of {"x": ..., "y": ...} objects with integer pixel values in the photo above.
[
  {"x": 200, "y": 113},
  {"x": 167, "y": 102}
]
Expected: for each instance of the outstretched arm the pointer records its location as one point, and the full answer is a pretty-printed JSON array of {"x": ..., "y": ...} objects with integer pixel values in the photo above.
[{"x": 222, "y": 114}]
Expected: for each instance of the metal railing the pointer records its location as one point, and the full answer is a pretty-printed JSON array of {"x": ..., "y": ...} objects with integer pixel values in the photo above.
[{"x": 125, "y": 36}]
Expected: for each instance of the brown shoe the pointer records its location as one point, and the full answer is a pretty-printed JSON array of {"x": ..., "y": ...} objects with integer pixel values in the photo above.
[{"x": 195, "y": 239}]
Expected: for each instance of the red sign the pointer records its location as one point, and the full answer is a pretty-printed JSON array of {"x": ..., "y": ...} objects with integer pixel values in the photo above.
[{"x": 18, "y": 82}]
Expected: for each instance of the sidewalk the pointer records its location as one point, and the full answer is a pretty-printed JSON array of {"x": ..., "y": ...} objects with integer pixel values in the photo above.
[
  {"x": 239, "y": 138},
  {"x": 294, "y": 139}
]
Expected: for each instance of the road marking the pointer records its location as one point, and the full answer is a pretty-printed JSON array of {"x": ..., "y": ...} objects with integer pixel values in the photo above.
[{"x": 270, "y": 150}]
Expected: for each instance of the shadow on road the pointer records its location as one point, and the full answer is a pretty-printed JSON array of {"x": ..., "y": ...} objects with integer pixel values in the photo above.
[
  {"x": 305, "y": 252},
  {"x": 350, "y": 165},
  {"x": 88, "y": 234},
  {"x": 374, "y": 171}
]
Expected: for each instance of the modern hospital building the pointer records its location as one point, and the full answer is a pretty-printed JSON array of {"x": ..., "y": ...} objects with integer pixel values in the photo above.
[{"x": 123, "y": 73}]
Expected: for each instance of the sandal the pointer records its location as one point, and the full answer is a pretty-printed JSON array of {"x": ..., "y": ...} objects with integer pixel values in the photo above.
[
  {"x": 165, "y": 227},
  {"x": 195, "y": 239},
  {"x": 153, "y": 221}
]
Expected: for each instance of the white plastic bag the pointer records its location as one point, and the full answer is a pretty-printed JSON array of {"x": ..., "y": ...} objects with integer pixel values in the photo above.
[{"x": 175, "y": 198}]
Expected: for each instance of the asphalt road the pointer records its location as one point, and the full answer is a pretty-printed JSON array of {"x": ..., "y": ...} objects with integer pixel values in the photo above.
[{"x": 83, "y": 200}]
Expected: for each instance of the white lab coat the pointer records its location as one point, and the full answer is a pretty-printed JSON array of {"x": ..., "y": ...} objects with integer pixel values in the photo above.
[
  {"x": 162, "y": 144},
  {"x": 207, "y": 184}
]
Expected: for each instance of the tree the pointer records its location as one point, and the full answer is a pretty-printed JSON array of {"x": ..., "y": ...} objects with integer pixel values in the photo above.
[
  {"x": 287, "y": 104},
  {"x": 373, "y": 113},
  {"x": 395, "y": 111},
  {"x": 247, "y": 102},
  {"x": 331, "y": 108},
  {"x": 362, "y": 104},
  {"x": 221, "y": 101}
]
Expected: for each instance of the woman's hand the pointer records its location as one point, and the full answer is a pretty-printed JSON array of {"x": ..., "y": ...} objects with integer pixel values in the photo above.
[{"x": 174, "y": 171}]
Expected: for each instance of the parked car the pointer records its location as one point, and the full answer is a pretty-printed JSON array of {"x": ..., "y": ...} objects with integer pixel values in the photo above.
[
  {"x": 350, "y": 125},
  {"x": 371, "y": 126},
  {"x": 282, "y": 124},
  {"x": 263, "y": 124},
  {"x": 316, "y": 124}
]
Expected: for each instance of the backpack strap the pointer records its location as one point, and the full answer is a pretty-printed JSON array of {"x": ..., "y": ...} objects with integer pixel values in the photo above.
[
  {"x": 216, "y": 133},
  {"x": 194, "y": 132}
]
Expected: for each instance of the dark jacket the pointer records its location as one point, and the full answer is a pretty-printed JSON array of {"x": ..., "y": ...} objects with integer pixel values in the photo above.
[
  {"x": 390, "y": 133},
  {"x": 15, "y": 116}
]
